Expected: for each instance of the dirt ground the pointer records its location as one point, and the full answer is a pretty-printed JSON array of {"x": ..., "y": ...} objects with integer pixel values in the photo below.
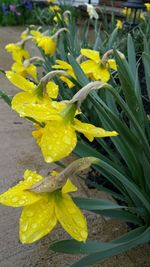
[{"x": 18, "y": 152}]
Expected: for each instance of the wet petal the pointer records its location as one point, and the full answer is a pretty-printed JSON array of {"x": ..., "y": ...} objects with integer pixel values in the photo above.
[
  {"x": 91, "y": 54},
  {"x": 37, "y": 220},
  {"x": 69, "y": 187},
  {"x": 52, "y": 89},
  {"x": 60, "y": 64},
  {"x": 18, "y": 195},
  {"x": 58, "y": 140},
  {"x": 32, "y": 71},
  {"x": 19, "y": 81},
  {"x": 91, "y": 131},
  {"x": 101, "y": 73},
  {"x": 71, "y": 218},
  {"x": 112, "y": 64}
]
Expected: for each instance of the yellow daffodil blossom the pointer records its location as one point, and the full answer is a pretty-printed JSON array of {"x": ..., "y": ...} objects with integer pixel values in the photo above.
[
  {"x": 94, "y": 67},
  {"x": 58, "y": 138},
  {"x": 19, "y": 53},
  {"x": 36, "y": 36},
  {"x": 23, "y": 70},
  {"x": 142, "y": 15},
  {"x": 57, "y": 18},
  {"x": 119, "y": 24},
  {"x": 30, "y": 102},
  {"x": 147, "y": 7},
  {"x": 25, "y": 34},
  {"x": 126, "y": 11},
  {"x": 62, "y": 65},
  {"x": 42, "y": 211},
  {"x": 54, "y": 8},
  {"x": 51, "y": 1},
  {"x": 48, "y": 45}
]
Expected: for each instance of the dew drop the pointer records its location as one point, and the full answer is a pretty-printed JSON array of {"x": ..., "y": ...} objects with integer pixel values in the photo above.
[
  {"x": 14, "y": 199},
  {"x": 30, "y": 213},
  {"x": 34, "y": 225},
  {"x": 24, "y": 227},
  {"x": 21, "y": 202},
  {"x": 67, "y": 140}
]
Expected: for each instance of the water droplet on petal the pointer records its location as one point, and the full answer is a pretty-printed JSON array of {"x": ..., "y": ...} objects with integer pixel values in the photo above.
[
  {"x": 84, "y": 234},
  {"x": 24, "y": 227},
  {"x": 14, "y": 199},
  {"x": 66, "y": 140},
  {"x": 21, "y": 202},
  {"x": 34, "y": 225},
  {"x": 30, "y": 213}
]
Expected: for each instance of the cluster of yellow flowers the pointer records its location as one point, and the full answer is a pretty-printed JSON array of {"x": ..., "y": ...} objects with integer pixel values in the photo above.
[{"x": 56, "y": 126}]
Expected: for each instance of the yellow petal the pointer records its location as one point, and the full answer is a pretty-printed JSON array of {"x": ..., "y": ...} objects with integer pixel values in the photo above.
[
  {"x": 60, "y": 64},
  {"x": 91, "y": 131},
  {"x": 29, "y": 105},
  {"x": 101, "y": 73},
  {"x": 71, "y": 218},
  {"x": 91, "y": 54},
  {"x": 52, "y": 89},
  {"x": 112, "y": 64},
  {"x": 19, "y": 81},
  {"x": 67, "y": 81},
  {"x": 89, "y": 66},
  {"x": 37, "y": 220},
  {"x": 18, "y": 195},
  {"x": 69, "y": 187},
  {"x": 48, "y": 45},
  {"x": 18, "y": 68},
  {"x": 20, "y": 55},
  {"x": 58, "y": 141},
  {"x": 32, "y": 71}
]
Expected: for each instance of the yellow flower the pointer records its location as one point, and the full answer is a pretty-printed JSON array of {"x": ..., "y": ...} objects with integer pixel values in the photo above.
[
  {"x": 119, "y": 24},
  {"x": 51, "y": 1},
  {"x": 19, "y": 54},
  {"x": 62, "y": 65},
  {"x": 94, "y": 67},
  {"x": 57, "y": 18},
  {"x": 30, "y": 102},
  {"x": 147, "y": 6},
  {"x": 41, "y": 211},
  {"x": 47, "y": 44},
  {"x": 126, "y": 11},
  {"x": 54, "y": 8},
  {"x": 36, "y": 35},
  {"x": 142, "y": 15},
  {"x": 22, "y": 70},
  {"x": 58, "y": 138}
]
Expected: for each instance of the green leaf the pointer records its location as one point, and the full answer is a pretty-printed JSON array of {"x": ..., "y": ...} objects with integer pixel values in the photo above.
[
  {"x": 95, "y": 204},
  {"x": 6, "y": 98},
  {"x": 109, "y": 252},
  {"x": 81, "y": 77},
  {"x": 131, "y": 55}
]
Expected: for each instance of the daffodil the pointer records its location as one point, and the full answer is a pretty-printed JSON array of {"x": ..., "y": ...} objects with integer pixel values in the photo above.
[
  {"x": 36, "y": 36},
  {"x": 147, "y": 6},
  {"x": 30, "y": 102},
  {"x": 23, "y": 70},
  {"x": 58, "y": 17},
  {"x": 54, "y": 8},
  {"x": 58, "y": 138},
  {"x": 92, "y": 11},
  {"x": 62, "y": 65},
  {"x": 19, "y": 53},
  {"x": 96, "y": 68},
  {"x": 48, "y": 45},
  {"x": 119, "y": 24},
  {"x": 126, "y": 11},
  {"x": 42, "y": 211}
]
